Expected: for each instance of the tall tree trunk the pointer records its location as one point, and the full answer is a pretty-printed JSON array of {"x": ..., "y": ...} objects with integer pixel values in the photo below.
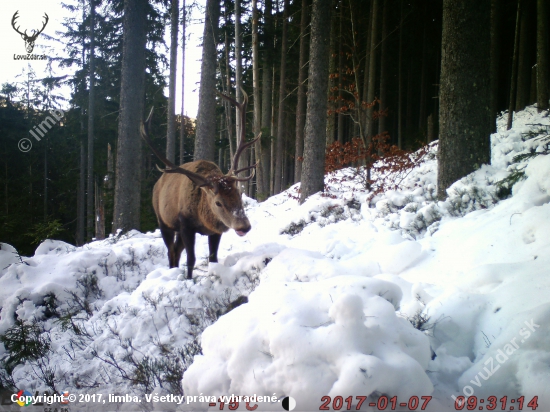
[
  {"x": 435, "y": 99},
  {"x": 368, "y": 32},
  {"x": 464, "y": 142},
  {"x": 524, "y": 63},
  {"x": 363, "y": 93},
  {"x": 46, "y": 181},
  {"x": 288, "y": 169},
  {"x": 431, "y": 129},
  {"x": 339, "y": 103},
  {"x": 182, "y": 113},
  {"x": 372, "y": 69},
  {"x": 495, "y": 59},
  {"x": 251, "y": 161},
  {"x": 513, "y": 82},
  {"x": 132, "y": 94},
  {"x": 383, "y": 68},
  {"x": 533, "y": 90},
  {"x": 282, "y": 94},
  {"x": 81, "y": 202},
  {"x": 331, "y": 120},
  {"x": 267, "y": 74},
  {"x": 273, "y": 133},
  {"x": 313, "y": 169},
  {"x": 301, "y": 105},
  {"x": 543, "y": 66},
  {"x": 423, "y": 74},
  {"x": 171, "y": 129},
  {"x": 408, "y": 111},
  {"x": 91, "y": 114},
  {"x": 220, "y": 150},
  {"x": 81, "y": 197},
  {"x": 260, "y": 189},
  {"x": 109, "y": 186},
  {"x": 238, "y": 86},
  {"x": 99, "y": 212},
  {"x": 238, "y": 66},
  {"x": 400, "y": 82},
  {"x": 227, "y": 106},
  {"x": 206, "y": 117}
]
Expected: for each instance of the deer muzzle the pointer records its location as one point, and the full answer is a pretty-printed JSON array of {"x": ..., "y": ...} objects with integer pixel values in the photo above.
[{"x": 243, "y": 229}]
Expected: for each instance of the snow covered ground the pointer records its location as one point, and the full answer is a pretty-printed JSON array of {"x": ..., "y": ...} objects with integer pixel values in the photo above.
[{"x": 392, "y": 298}]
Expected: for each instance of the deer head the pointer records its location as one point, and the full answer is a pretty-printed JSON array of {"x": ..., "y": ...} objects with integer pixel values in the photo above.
[{"x": 29, "y": 40}]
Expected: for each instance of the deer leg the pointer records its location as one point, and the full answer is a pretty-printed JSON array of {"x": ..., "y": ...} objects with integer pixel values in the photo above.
[
  {"x": 168, "y": 237},
  {"x": 213, "y": 244},
  {"x": 178, "y": 248},
  {"x": 188, "y": 238}
]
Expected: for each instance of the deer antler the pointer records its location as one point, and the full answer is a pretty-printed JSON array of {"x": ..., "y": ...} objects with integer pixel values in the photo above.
[
  {"x": 242, "y": 145},
  {"x": 195, "y": 177}
]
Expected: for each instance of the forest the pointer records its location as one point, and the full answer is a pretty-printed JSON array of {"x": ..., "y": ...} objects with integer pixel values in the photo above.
[{"x": 330, "y": 84}]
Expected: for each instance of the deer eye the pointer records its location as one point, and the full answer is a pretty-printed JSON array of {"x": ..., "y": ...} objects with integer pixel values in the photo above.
[{"x": 218, "y": 204}]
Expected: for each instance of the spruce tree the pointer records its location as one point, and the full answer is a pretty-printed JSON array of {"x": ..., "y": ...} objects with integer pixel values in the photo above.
[{"x": 464, "y": 114}]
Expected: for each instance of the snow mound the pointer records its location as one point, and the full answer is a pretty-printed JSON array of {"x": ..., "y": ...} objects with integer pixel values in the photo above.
[
  {"x": 53, "y": 246},
  {"x": 332, "y": 337},
  {"x": 537, "y": 186},
  {"x": 8, "y": 255}
]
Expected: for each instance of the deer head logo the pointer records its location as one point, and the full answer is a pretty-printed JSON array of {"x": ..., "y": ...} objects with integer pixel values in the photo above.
[{"x": 29, "y": 40}]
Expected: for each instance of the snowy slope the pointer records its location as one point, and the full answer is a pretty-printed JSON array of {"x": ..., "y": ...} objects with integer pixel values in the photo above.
[{"x": 334, "y": 287}]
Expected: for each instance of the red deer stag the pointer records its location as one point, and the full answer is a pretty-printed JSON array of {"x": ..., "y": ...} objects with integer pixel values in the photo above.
[{"x": 197, "y": 197}]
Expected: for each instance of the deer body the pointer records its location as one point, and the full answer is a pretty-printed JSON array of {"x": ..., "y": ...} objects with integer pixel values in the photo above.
[
  {"x": 197, "y": 197},
  {"x": 183, "y": 209},
  {"x": 190, "y": 203}
]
